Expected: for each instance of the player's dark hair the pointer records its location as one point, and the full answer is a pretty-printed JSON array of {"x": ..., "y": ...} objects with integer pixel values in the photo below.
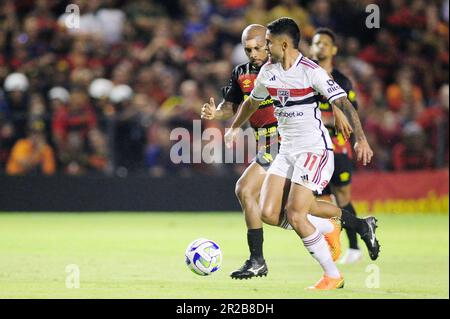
[
  {"x": 327, "y": 32},
  {"x": 285, "y": 26}
]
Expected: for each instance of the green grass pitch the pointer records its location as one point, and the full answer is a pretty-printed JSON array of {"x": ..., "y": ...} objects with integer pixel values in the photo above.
[{"x": 141, "y": 255}]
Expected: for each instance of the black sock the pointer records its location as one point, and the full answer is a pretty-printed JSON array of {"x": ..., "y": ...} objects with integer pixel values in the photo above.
[
  {"x": 350, "y": 221},
  {"x": 351, "y": 234},
  {"x": 255, "y": 240}
]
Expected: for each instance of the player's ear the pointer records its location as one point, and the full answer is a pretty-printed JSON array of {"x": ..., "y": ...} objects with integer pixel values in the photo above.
[{"x": 334, "y": 51}]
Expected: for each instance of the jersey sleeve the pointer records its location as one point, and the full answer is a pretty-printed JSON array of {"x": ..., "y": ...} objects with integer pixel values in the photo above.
[
  {"x": 259, "y": 91},
  {"x": 233, "y": 93},
  {"x": 322, "y": 83}
]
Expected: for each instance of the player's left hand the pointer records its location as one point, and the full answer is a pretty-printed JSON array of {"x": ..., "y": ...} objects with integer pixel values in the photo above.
[
  {"x": 209, "y": 110},
  {"x": 341, "y": 123},
  {"x": 230, "y": 136},
  {"x": 363, "y": 151}
]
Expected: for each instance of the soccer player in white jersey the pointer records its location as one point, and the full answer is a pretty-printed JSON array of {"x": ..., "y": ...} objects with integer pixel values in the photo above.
[{"x": 305, "y": 156}]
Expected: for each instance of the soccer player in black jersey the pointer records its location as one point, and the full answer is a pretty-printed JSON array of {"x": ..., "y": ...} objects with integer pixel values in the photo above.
[
  {"x": 323, "y": 50},
  {"x": 265, "y": 125}
]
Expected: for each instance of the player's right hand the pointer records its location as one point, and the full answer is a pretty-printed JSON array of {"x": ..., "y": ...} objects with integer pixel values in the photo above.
[
  {"x": 230, "y": 137},
  {"x": 209, "y": 110},
  {"x": 363, "y": 151},
  {"x": 341, "y": 123}
]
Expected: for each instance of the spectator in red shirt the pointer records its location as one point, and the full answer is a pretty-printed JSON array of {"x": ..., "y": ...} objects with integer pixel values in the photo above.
[
  {"x": 77, "y": 116},
  {"x": 412, "y": 152},
  {"x": 434, "y": 120},
  {"x": 382, "y": 54}
]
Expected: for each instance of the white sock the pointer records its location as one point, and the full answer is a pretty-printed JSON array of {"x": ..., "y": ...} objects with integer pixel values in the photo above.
[
  {"x": 318, "y": 248},
  {"x": 323, "y": 225}
]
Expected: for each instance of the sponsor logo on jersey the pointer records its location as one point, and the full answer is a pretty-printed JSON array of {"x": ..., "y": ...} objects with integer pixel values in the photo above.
[
  {"x": 246, "y": 83},
  {"x": 265, "y": 131},
  {"x": 333, "y": 89},
  {"x": 292, "y": 114},
  {"x": 333, "y": 86},
  {"x": 267, "y": 101}
]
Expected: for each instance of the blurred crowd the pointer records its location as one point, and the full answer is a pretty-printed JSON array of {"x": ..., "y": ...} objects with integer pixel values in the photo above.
[{"x": 102, "y": 96}]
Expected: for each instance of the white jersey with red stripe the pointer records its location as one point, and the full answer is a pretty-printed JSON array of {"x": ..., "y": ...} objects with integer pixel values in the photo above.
[{"x": 295, "y": 94}]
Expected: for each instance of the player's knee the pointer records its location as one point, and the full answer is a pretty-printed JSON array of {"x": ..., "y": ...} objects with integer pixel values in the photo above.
[
  {"x": 269, "y": 215},
  {"x": 296, "y": 218},
  {"x": 295, "y": 214},
  {"x": 244, "y": 191},
  {"x": 241, "y": 190}
]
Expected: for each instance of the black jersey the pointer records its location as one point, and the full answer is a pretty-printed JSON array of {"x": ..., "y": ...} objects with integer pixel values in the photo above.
[
  {"x": 340, "y": 146},
  {"x": 239, "y": 88}
]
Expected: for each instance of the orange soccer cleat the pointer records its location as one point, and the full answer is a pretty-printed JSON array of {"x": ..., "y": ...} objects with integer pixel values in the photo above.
[
  {"x": 328, "y": 283},
  {"x": 333, "y": 239}
]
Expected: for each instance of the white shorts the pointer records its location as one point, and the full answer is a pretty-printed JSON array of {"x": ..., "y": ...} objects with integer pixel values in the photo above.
[{"x": 310, "y": 169}]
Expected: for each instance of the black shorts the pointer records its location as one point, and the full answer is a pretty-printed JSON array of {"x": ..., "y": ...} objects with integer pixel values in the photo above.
[
  {"x": 266, "y": 156},
  {"x": 342, "y": 176}
]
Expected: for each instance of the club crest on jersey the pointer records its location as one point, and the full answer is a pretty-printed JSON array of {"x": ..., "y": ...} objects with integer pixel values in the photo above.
[{"x": 283, "y": 96}]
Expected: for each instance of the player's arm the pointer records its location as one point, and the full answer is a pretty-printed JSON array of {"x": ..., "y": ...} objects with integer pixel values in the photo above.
[
  {"x": 336, "y": 96},
  {"x": 246, "y": 110},
  {"x": 341, "y": 122},
  {"x": 362, "y": 147},
  {"x": 250, "y": 105}
]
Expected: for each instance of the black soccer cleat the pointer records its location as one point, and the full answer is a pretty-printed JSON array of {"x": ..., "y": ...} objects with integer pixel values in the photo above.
[
  {"x": 251, "y": 268},
  {"x": 369, "y": 237}
]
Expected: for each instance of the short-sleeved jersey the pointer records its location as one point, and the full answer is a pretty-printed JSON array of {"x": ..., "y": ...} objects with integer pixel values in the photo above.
[
  {"x": 239, "y": 88},
  {"x": 295, "y": 93},
  {"x": 340, "y": 145}
]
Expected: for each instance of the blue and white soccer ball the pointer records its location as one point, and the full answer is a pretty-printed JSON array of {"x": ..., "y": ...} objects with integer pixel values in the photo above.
[{"x": 203, "y": 256}]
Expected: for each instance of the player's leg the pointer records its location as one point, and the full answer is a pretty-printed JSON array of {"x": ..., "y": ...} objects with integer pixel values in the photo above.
[
  {"x": 341, "y": 188},
  {"x": 365, "y": 227},
  {"x": 256, "y": 267},
  {"x": 273, "y": 209},
  {"x": 353, "y": 254},
  {"x": 329, "y": 227},
  {"x": 298, "y": 205},
  {"x": 327, "y": 195},
  {"x": 333, "y": 236},
  {"x": 323, "y": 224},
  {"x": 305, "y": 180},
  {"x": 274, "y": 190},
  {"x": 247, "y": 190},
  {"x": 271, "y": 199}
]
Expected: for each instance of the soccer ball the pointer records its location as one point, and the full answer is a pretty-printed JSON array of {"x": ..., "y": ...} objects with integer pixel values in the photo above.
[{"x": 203, "y": 256}]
